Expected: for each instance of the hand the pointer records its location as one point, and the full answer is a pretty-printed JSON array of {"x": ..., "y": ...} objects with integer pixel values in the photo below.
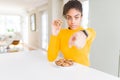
[
  {"x": 78, "y": 39},
  {"x": 56, "y": 26}
]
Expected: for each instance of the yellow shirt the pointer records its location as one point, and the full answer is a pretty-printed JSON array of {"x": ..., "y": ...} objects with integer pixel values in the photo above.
[{"x": 60, "y": 43}]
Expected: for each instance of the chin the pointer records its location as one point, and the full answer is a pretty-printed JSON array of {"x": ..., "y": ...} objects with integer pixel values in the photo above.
[{"x": 74, "y": 27}]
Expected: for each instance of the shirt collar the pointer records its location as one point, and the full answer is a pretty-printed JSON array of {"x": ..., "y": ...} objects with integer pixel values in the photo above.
[{"x": 79, "y": 28}]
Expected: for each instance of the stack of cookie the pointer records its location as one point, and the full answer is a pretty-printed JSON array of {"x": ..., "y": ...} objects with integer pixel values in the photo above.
[{"x": 64, "y": 62}]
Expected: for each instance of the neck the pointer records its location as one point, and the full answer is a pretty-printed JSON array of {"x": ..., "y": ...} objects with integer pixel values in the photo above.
[{"x": 73, "y": 28}]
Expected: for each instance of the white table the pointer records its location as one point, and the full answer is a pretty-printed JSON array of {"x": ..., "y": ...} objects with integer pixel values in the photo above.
[{"x": 33, "y": 65}]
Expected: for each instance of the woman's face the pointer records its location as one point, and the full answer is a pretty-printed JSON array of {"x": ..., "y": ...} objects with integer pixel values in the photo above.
[{"x": 73, "y": 18}]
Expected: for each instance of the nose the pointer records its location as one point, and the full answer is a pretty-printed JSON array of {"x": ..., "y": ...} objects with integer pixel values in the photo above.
[{"x": 73, "y": 20}]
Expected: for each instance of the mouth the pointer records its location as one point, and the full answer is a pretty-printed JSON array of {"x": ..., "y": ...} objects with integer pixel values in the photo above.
[{"x": 73, "y": 26}]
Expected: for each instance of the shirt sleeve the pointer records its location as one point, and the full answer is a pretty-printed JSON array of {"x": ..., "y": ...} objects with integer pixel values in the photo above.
[
  {"x": 91, "y": 35},
  {"x": 53, "y": 48}
]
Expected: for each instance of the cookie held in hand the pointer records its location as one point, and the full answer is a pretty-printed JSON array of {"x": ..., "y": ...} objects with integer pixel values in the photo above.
[{"x": 64, "y": 62}]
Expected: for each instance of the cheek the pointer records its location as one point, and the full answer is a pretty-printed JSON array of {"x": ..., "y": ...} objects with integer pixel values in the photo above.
[
  {"x": 69, "y": 22},
  {"x": 78, "y": 21}
]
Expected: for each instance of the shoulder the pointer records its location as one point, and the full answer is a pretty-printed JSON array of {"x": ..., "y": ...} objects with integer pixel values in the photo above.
[
  {"x": 91, "y": 32},
  {"x": 63, "y": 30},
  {"x": 90, "y": 29}
]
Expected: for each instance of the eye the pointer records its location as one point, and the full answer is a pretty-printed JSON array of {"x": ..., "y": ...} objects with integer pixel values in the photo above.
[
  {"x": 76, "y": 17},
  {"x": 68, "y": 18}
]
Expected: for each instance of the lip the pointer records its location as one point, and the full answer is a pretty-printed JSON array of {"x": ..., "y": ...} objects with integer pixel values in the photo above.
[{"x": 73, "y": 26}]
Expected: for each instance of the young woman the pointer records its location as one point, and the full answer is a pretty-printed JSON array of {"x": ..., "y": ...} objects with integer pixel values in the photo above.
[{"x": 74, "y": 42}]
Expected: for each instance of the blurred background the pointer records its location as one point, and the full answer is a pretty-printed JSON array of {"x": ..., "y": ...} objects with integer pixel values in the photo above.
[{"x": 26, "y": 25}]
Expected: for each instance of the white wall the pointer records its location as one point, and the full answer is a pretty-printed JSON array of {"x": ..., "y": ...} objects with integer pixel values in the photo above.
[
  {"x": 105, "y": 19},
  {"x": 54, "y": 8},
  {"x": 34, "y": 37}
]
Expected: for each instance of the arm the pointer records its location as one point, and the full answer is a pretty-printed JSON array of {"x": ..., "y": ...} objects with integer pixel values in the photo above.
[
  {"x": 91, "y": 35},
  {"x": 82, "y": 37},
  {"x": 53, "y": 48},
  {"x": 54, "y": 44}
]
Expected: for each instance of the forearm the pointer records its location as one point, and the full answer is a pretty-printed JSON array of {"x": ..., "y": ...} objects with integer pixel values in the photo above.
[{"x": 53, "y": 48}]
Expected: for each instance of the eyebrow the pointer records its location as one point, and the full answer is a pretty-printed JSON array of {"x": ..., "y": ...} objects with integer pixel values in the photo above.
[
  {"x": 77, "y": 15},
  {"x": 74, "y": 16}
]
